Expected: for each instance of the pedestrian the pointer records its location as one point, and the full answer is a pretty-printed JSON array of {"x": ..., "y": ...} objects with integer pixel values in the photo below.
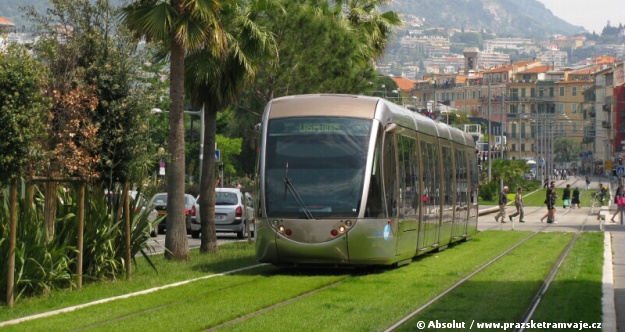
[
  {"x": 518, "y": 203},
  {"x": 566, "y": 196},
  {"x": 619, "y": 199},
  {"x": 503, "y": 201},
  {"x": 587, "y": 183},
  {"x": 550, "y": 200},
  {"x": 575, "y": 200}
]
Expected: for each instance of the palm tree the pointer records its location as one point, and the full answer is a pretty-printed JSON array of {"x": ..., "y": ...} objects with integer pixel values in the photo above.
[
  {"x": 179, "y": 26},
  {"x": 376, "y": 27},
  {"x": 216, "y": 81}
]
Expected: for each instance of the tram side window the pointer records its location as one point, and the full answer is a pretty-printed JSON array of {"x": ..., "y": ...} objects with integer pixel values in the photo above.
[
  {"x": 390, "y": 174},
  {"x": 430, "y": 175},
  {"x": 461, "y": 179},
  {"x": 375, "y": 203},
  {"x": 408, "y": 176},
  {"x": 447, "y": 176}
]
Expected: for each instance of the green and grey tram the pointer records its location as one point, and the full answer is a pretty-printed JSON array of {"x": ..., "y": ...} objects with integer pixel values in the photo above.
[{"x": 350, "y": 180}]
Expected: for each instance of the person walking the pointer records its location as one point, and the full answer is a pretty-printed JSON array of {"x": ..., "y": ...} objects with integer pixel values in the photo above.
[
  {"x": 619, "y": 199},
  {"x": 566, "y": 197},
  {"x": 550, "y": 200},
  {"x": 518, "y": 203},
  {"x": 575, "y": 200},
  {"x": 503, "y": 201},
  {"x": 587, "y": 183}
]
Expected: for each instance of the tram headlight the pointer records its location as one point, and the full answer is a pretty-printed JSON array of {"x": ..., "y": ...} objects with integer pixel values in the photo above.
[
  {"x": 281, "y": 229},
  {"x": 341, "y": 229},
  {"x": 275, "y": 222},
  {"x": 348, "y": 223},
  {"x": 334, "y": 232}
]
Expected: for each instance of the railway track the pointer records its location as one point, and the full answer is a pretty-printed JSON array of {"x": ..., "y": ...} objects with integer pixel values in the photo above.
[
  {"x": 537, "y": 298},
  {"x": 347, "y": 277}
]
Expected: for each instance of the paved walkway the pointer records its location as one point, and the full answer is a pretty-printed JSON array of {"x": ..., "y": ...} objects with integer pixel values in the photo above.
[{"x": 570, "y": 220}]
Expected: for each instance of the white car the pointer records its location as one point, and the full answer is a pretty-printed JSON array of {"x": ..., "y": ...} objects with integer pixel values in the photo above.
[{"x": 230, "y": 216}]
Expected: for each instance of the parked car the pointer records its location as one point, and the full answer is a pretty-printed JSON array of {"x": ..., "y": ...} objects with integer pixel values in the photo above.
[
  {"x": 160, "y": 204},
  {"x": 229, "y": 213},
  {"x": 141, "y": 202}
]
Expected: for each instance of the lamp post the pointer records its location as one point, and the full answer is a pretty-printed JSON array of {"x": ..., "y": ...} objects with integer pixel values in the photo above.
[{"x": 199, "y": 113}]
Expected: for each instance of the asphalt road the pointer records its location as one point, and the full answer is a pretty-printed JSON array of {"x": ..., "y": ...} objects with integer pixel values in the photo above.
[{"x": 159, "y": 242}]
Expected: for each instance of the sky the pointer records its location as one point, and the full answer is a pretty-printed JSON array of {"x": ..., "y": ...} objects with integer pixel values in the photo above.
[{"x": 591, "y": 14}]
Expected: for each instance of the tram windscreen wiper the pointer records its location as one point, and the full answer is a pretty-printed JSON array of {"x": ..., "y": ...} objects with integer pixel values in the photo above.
[{"x": 288, "y": 184}]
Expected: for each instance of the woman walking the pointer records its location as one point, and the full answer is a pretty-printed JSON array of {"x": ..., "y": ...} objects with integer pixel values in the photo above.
[{"x": 619, "y": 199}]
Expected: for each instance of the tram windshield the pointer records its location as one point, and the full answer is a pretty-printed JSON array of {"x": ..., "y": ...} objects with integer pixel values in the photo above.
[{"x": 315, "y": 166}]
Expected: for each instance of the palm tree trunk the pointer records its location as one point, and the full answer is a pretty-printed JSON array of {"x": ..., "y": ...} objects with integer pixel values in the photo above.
[
  {"x": 176, "y": 237},
  {"x": 208, "y": 242}
]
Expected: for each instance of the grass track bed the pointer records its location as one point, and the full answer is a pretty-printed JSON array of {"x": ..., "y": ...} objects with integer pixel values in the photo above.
[
  {"x": 373, "y": 300},
  {"x": 575, "y": 293},
  {"x": 502, "y": 292}
]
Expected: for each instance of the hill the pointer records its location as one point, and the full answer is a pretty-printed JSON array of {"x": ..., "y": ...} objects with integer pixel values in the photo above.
[{"x": 517, "y": 18}]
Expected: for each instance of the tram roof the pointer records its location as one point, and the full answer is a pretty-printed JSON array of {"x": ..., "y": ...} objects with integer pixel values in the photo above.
[{"x": 363, "y": 107}]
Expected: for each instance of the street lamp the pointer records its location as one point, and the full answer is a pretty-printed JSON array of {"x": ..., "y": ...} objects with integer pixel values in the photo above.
[{"x": 199, "y": 113}]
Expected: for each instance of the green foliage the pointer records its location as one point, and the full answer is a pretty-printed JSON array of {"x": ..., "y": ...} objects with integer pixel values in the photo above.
[
  {"x": 567, "y": 149},
  {"x": 23, "y": 110},
  {"x": 41, "y": 267}
]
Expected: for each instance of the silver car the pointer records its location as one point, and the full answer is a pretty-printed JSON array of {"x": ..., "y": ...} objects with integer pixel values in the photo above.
[{"x": 230, "y": 216}]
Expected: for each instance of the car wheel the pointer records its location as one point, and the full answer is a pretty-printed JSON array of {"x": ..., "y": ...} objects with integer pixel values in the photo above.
[
  {"x": 240, "y": 234},
  {"x": 195, "y": 234}
]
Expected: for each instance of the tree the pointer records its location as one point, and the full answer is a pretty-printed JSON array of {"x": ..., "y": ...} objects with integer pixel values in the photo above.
[
  {"x": 98, "y": 128},
  {"x": 23, "y": 110},
  {"x": 180, "y": 26},
  {"x": 566, "y": 150},
  {"x": 216, "y": 80}
]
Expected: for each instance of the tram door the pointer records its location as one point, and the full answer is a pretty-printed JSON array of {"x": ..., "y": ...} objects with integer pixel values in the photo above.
[{"x": 430, "y": 176}]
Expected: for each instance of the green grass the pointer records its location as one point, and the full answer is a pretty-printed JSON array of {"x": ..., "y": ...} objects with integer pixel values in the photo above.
[
  {"x": 210, "y": 302},
  {"x": 502, "y": 292},
  {"x": 371, "y": 299},
  {"x": 575, "y": 293},
  {"x": 229, "y": 257}
]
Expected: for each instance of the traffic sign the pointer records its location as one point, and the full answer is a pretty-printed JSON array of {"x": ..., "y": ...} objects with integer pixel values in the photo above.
[
  {"x": 620, "y": 170},
  {"x": 608, "y": 165},
  {"x": 217, "y": 155}
]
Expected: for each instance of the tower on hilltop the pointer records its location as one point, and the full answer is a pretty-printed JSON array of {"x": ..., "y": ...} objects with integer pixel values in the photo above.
[{"x": 470, "y": 59}]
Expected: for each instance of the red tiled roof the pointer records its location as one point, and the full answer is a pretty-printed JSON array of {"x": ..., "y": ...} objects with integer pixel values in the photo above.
[
  {"x": 404, "y": 84},
  {"x": 6, "y": 22},
  {"x": 536, "y": 70}
]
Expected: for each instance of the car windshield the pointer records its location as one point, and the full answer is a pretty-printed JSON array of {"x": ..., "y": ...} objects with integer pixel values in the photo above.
[
  {"x": 226, "y": 198},
  {"x": 160, "y": 199}
]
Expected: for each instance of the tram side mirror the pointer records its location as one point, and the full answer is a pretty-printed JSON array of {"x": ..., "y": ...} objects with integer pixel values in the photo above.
[
  {"x": 391, "y": 127},
  {"x": 258, "y": 127}
]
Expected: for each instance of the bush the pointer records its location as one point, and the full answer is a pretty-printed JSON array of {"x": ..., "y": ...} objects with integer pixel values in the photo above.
[{"x": 43, "y": 266}]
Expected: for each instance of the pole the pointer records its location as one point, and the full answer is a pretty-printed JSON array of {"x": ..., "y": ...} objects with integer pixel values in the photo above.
[
  {"x": 503, "y": 120},
  {"x": 12, "y": 243},
  {"x": 202, "y": 126},
  {"x": 519, "y": 137},
  {"x": 490, "y": 163}
]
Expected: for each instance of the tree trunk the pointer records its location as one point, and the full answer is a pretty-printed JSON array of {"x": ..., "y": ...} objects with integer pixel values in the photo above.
[
  {"x": 176, "y": 244},
  {"x": 49, "y": 210},
  {"x": 208, "y": 242}
]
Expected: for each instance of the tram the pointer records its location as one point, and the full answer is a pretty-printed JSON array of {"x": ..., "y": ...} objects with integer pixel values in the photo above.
[{"x": 346, "y": 180}]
